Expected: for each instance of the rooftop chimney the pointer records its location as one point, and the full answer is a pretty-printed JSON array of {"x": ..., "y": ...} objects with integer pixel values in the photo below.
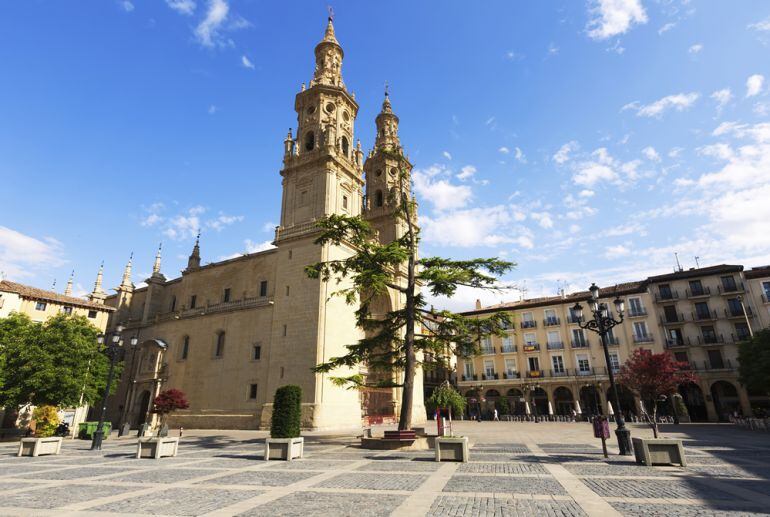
[{"x": 478, "y": 304}]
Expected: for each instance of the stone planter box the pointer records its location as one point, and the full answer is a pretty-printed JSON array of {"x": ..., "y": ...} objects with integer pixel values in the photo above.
[
  {"x": 659, "y": 451},
  {"x": 40, "y": 446},
  {"x": 157, "y": 448},
  {"x": 285, "y": 449},
  {"x": 451, "y": 448}
]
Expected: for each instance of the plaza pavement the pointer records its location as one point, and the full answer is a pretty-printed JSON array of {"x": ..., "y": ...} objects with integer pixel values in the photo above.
[{"x": 516, "y": 469}]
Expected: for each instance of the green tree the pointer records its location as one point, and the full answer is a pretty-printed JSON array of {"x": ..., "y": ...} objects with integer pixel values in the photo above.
[
  {"x": 55, "y": 363},
  {"x": 393, "y": 347},
  {"x": 754, "y": 362},
  {"x": 287, "y": 412},
  {"x": 445, "y": 396}
]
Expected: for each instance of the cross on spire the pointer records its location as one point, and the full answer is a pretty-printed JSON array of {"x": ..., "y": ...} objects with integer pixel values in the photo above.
[{"x": 331, "y": 12}]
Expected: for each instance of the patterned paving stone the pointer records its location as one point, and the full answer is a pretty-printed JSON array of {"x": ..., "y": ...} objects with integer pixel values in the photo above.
[
  {"x": 54, "y": 497},
  {"x": 309, "y": 464},
  {"x": 501, "y": 456},
  {"x": 502, "y": 468},
  {"x": 375, "y": 481},
  {"x": 74, "y": 473},
  {"x": 15, "y": 470},
  {"x": 10, "y": 485},
  {"x": 509, "y": 484},
  {"x": 302, "y": 504},
  {"x": 261, "y": 478},
  {"x": 665, "y": 510},
  {"x": 637, "y": 488},
  {"x": 179, "y": 501},
  {"x": 163, "y": 475},
  {"x": 510, "y": 449},
  {"x": 452, "y": 506},
  {"x": 730, "y": 471},
  {"x": 558, "y": 446},
  {"x": 401, "y": 466},
  {"x": 608, "y": 469}
]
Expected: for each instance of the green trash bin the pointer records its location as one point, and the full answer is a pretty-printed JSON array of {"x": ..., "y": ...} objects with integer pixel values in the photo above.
[{"x": 86, "y": 430}]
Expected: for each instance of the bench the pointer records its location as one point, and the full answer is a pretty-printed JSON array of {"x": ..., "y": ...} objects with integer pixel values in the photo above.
[{"x": 405, "y": 435}]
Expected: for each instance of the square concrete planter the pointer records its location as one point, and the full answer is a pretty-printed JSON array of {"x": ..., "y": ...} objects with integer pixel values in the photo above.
[
  {"x": 157, "y": 448},
  {"x": 452, "y": 448},
  {"x": 40, "y": 446},
  {"x": 659, "y": 451},
  {"x": 285, "y": 449}
]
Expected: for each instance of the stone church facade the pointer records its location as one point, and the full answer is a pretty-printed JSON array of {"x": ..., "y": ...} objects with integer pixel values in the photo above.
[{"x": 230, "y": 333}]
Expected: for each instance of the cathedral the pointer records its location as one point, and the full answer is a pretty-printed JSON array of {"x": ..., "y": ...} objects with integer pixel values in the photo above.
[{"x": 229, "y": 333}]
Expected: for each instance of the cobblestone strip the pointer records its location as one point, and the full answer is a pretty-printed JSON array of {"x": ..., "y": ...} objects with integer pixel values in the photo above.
[
  {"x": 421, "y": 500},
  {"x": 278, "y": 492},
  {"x": 741, "y": 494},
  {"x": 589, "y": 501}
]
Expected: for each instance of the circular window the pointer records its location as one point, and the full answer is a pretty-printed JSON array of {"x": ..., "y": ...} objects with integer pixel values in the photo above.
[
  {"x": 378, "y": 172},
  {"x": 330, "y": 107},
  {"x": 345, "y": 116},
  {"x": 311, "y": 110},
  {"x": 394, "y": 171}
]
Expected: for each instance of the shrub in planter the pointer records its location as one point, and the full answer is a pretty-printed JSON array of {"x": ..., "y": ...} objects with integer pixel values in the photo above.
[
  {"x": 46, "y": 420},
  {"x": 445, "y": 396},
  {"x": 167, "y": 402},
  {"x": 286, "y": 412}
]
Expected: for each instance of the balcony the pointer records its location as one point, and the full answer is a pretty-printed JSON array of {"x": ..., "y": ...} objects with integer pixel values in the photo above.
[
  {"x": 529, "y": 324},
  {"x": 488, "y": 350},
  {"x": 535, "y": 374},
  {"x": 551, "y": 322},
  {"x": 579, "y": 344},
  {"x": 559, "y": 373},
  {"x": 556, "y": 345},
  {"x": 509, "y": 349},
  {"x": 672, "y": 319},
  {"x": 643, "y": 338},
  {"x": 572, "y": 319},
  {"x": 698, "y": 293},
  {"x": 473, "y": 377},
  {"x": 666, "y": 296},
  {"x": 613, "y": 341},
  {"x": 638, "y": 313},
  {"x": 676, "y": 343},
  {"x": 737, "y": 312},
  {"x": 731, "y": 288},
  {"x": 704, "y": 315},
  {"x": 711, "y": 365},
  {"x": 744, "y": 336},
  {"x": 531, "y": 347},
  {"x": 582, "y": 372},
  {"x": 711, "y": 340},
  {"x": 511, "y": 375},
  {"x": 489, "y": 376}
]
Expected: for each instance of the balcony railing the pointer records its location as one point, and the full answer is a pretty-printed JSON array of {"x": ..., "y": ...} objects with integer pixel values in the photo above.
[
  {"x": 636, "y": 313},
  {"x": 511, "y": 375},
  {"x": 551, "y": 322},
  {"x": 472, "y": 377},
  {"x": 672, "y": 319},
  {"x": 711, "y": 365},
  {"x": 711, "y": 340},
  {"x": 737, "y": 312},
  {"x": 489, "y": 376},
  {"x": 507, "y": 349},
  {"x": 559, "y": 373},
  {"x": 535, "y": 374},
  {"x": 704, "y": 315},
  {"x": 666, "y": 295},
  {"x": 676, "y": 343},
  {"x": 572, "y": 319},
  {"x": 731, "y": 288},
  {"x": 696, "y": 293},
  {"x": 579, "y": 344},
  {"x": 556, "y": 345},
  {"x": 583, "y": 373},
  {"x": 643, "y": 338},
  {"x": 613, "y": 341},
  {"x": 531, "y": 347},
  {"x": 528, "y": 324},
  {"x": 737, "y": 338},
  {"x": 487, "y": 350}
]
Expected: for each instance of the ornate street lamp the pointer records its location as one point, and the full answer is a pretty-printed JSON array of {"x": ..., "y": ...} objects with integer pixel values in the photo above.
[
  {"x": 601, "y": 323},
  {"x": 115, "y": 351}
]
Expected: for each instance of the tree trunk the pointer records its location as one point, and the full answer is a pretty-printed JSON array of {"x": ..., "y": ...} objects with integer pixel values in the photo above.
[
  {"x": 654, "y": 419},
  {"x": 407, "y": 396}
]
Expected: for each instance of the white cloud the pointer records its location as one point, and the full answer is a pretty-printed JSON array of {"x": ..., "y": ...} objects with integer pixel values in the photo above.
[
  {"x": 722, "y": 97},
  {"x": 127, "y": 6},
  {"x": 553, "y": 49},
  {"x": 562, "y": 155},
  {"x": 186, "y": 224},
  {"x": 207, "y": 31},
  {"x": 466, "y": 173},
  {"x": 519, "y": 155},
  {"x": 674, "y": 152},
  {"x": 485, "y": 226},
  {"x": 212, "y": 109},
  {"x": 695, "y": 49},
  {"x": 665, "y": 28},
  {"x": 763, "y": 25},
  {"x": 430, "y": 184},
  {"x": 256, "y": 247},
  {"x": 586, "y": 193},
  {"x": 544, "y": 219},
  {"x": 754, "y": 85},
  {"x": 246, "y": 63},
  {"x": 678, "y": 102},
  {"x": 513, "y": 56},
  {"x": 504, "y": 150},
  {"x": 447, "y": 155},
  {"x": 22, "y": 255},
  {"x": 223, "y": 220},
  {"x": 613, "y": 252},
  {"x": 186, "y": 7},
  {"x": 601, "y": 167},
  {"x": 651, "y": 154},
  {"x": 613, "y": 17},
  {"x": 269, "y": 226}
]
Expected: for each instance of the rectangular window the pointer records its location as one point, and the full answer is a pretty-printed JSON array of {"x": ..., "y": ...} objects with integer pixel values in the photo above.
[
  {"x": 263, "y": 288},
  {"x": 256, "y": 352},
  {"x": 489, "y": 368},
  {"x": 510, "y": 367},
  {"x": 709, "y": 334},
  {"x": 468, "y": 369},
  {"x": 696, "y": 288},
  {"x": 766, "y": 289},
  {"x": 226, "y": 295},
  {"x": 640, "y": 329},
  {"x": 554, "y": 338},
  {"x": 287, "y": 290},
  {"x": 40, "y": 306},
  {"x": 702, "y": 310},
  {"x": 67, "y": 310},
  {"x": 572, "y": 316},
  {"x": 252, "y": 391},
  {"x": 734, "y": 307},
  {"x": 715, "y": 359},
  {"x": 345, "y": 202},
  {"x": 185, "y": 347},
  {"x": 742, "y": 331},
  {"x": 579, "y": 338},
  {"x": 486, "y": 345},
  {"x": 527, "y": 320},
  {"x": 669, "y": 311},
  {"x": 92, "y": 314},
  {"x": 173, "y": 304},
  {"x": 584, "y": 366},
  {"x": 675, "y": 337},
  {"x": 220, "y": 348},
  {"x": 284, "y": 330},
  {"x": 558, "y": 364},
  {"x": 508, "y": 344},
  {"x": 681, "y": 357},
  {"x": 193, "y": 301},
  {"x": 530, "y": 338},
  {"x": 550, "y": 317},
  {"x": 534, "y": 364},
  {"x": 635, "y": 306},
  {"x": 728, "y": 284},
  {"x": 614, "y": 362},
  {"x": 665, "y": 292}
]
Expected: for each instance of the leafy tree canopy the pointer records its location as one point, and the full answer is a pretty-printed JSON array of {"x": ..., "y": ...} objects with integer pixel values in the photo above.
[
  {"x": 754, "y": 362},
  {"x": 445, "y": 396},
  {"x": 55, "y": 363}
]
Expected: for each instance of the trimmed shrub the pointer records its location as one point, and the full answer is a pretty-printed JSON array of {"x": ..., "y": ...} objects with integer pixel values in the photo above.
[
  {"x": 286, "y": 412},
  {"x": 445, "y": 396},
  {"x": 46, "y": 420}
]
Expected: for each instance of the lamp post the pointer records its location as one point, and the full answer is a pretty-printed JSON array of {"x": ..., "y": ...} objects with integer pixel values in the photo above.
[
  {"x": 113, "y": 350},
  {"x": 601, "y": 323}
]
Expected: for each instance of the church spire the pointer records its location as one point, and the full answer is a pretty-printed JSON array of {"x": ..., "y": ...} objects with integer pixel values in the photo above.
[
  {"x": 387, "y": 127},
  {"x": 126, "y": 282},
  {"x": 328, "y": 59},
  {"x": 194, "y": 261},
  {"x": 97, "y": 295},
  {"x": 156, "y": 265},
  {"x": 68, "y": 289}
]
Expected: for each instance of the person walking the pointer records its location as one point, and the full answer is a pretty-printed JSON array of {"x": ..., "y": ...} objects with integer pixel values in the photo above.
[{"x": 496, "y": 418}]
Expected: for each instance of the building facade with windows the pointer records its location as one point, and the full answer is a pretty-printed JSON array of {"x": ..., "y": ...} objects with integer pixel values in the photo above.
[
  {"x": 548, "y": 365},
  {"x": 230, "y": 333}
]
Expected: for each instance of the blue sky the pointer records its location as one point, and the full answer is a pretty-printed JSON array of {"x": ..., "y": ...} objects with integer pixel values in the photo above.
[{"x": 585, "y": 140}]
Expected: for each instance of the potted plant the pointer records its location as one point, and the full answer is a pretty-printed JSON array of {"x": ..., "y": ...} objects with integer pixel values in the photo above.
[
  {"x": 655, "y": 378},
  {"x": 448, "y": 446},
  {"x": 285, "y": 443},
  {"x": 46, "y": 420},
  {"x": 163, "y": 445}
]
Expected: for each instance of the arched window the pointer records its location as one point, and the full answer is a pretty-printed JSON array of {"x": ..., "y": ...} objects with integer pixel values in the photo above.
[
  {"x": 378, "y": 198},
  {"x": 345, "y": 145},
  {"x": 309, "y": 141},
  {"x": 220, "y": 348},
  {"x": 185, "y": 347}
]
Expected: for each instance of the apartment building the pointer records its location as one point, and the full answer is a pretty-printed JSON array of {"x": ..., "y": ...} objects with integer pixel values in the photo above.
[{"x": 546, "y": 364}]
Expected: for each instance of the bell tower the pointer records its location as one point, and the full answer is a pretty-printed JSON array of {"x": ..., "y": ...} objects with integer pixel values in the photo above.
[{"x": 321, "y": 168}]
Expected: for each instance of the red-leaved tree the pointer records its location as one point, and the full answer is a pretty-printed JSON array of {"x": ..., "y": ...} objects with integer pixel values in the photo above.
[
  {"x": 169, "y": 401},
  {"x": 654, "y": 377}
]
